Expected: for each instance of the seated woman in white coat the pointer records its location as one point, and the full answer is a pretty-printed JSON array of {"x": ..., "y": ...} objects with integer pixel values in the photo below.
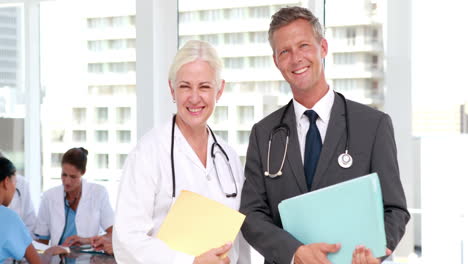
[
  {"x": 76, "y": 211},
  {"x": 184, "y": 154}
]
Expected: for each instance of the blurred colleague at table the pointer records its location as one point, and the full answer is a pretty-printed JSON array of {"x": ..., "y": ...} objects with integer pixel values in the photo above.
[
  {"x": 74, "y": 212},
  {"x": 15, "y": 240},
  {"x": 184, "y": 154},
  {"x": 22, "y": 203}
]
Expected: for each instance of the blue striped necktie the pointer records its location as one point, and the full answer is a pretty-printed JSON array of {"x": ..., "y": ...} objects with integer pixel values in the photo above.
[{"x": 313, "y": 146}]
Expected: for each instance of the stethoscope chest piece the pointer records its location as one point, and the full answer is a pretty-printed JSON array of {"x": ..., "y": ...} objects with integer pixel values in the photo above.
[{"x": 345, "y": 160}]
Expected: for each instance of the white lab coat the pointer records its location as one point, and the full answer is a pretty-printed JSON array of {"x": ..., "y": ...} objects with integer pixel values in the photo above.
[
  {"x": 93, "y": 215},
  {"x": 145, "y": 196},
  {"x": 23, "y": 205}
]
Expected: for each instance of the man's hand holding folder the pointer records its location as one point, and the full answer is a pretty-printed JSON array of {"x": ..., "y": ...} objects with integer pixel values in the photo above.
[
  {"x": 315, "y": 253},
  {"x": 338, "y": 224}
]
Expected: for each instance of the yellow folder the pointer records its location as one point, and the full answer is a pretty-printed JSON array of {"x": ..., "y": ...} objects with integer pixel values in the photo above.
[{"x": 196, "y": 224}]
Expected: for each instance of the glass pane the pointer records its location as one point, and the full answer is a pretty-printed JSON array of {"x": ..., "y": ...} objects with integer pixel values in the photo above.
[
  {"x": 88, "y": 64},
  {"x": 12, "y": 88},
  {"x": 354, "y": 64},
  {"x": 239, "y": 32}
]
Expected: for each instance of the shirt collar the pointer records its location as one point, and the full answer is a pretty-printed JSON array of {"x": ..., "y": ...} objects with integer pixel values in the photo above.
[{"x": 322, "y": 107}]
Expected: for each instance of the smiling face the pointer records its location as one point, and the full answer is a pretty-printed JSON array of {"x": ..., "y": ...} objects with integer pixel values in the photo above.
[
  {"x": 298, "y": 55},
  {"x": 195, "y": 92}
]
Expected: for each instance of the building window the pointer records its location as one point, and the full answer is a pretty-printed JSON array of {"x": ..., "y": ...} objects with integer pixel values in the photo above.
[
  {"x": 79, "y": 115},
  {"x": 233, "y": 38},
  {"x": 123, "y": 115},
  {"x": 351, "y": 36},
  {"x": 259, "y": 12},
  {"x": 243, "y": 137},
  {"x": 220, "y": 115},
  {"x": 121, "y": 160},
  {"x": 375, "y": 62},
  {"x": 222, "y": 134},
  {"x": 79, "y": 135},
  {"x": 245, "y": 114},
  {"x": 102, "y": 115},
  {"x": 57, "y": 136},
  {"x": 344, "y": 58},
  {"x": 124, "y": 136},
  {"x": 234, "y": 63},
  {"x": 258, "y": 37},
  {"x": 211, "y": 38},
  {"x": 260, "y": 62},
  {"x": 121, "y": 67},
  {"x": 102, "y": 136},
  {"x": 95, "y": 68},
  {"x": 56, "y": 160},
  {"x": 102, "y": 161}
]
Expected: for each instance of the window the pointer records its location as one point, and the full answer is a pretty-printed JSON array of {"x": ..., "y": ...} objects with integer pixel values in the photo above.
[
  {"x": 243, "y": 137},
  {"x": 102, "y": 136},
  {"x": 259, "y": 62},
  {"x": 123, "y": 115},
  {"x": 56, "y": 160},
  {"x": 233, "y": 38},
  {"x": 123, "y": 136},
  {"x": 79, "y": 115},
  {"x": 258, "y": 37},
  {"x": 211, "y": 38},
  {"x": 101, "y": 115},
  {"x": 351, "y": 35},
  {"x": 121, "y": 160},
  {"x": 245, "y": 114},
  {"x": 220, "y": 114},
  {"x": 344, "y": 58},
  {"x": 95, "y": 67},
  {"x": 57, "y": 136},
  {"x": 234, "y": 63},
  {"x": 259, "y": 12},
  {"x": 79, "y": 136},
  {"x": 102, "y": 161},
  {"x": 222, "y": 134}
]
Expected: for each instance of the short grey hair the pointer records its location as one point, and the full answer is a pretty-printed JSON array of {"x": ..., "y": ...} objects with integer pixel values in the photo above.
[
  {"x": 286, "y": 15},
  {"x": 192, "y": 51}
]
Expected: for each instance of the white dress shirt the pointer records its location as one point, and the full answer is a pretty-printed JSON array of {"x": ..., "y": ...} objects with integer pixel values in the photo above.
[
  {"x": 145, "y": 195},
  {"x": 323, "y": 109}
]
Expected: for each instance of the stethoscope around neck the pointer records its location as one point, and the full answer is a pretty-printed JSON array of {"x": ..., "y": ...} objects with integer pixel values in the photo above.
[
  {"x": 213, "y": 154},
  {"x": 344, "y": 159}
]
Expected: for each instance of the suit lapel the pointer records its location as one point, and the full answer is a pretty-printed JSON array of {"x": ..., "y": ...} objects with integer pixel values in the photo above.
[
  {"x": 335, "y": 130},
  {"x": 294, "y": 151}
]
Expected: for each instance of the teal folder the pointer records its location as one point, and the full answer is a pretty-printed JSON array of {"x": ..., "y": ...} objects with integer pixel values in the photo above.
[{"x": 350, "y": 213}]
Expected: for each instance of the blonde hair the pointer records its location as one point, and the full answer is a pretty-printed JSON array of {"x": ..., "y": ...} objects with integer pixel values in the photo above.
[{"x": 192, "y": 51}]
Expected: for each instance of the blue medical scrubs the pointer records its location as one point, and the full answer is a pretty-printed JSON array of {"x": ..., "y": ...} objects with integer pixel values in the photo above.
[{"x": 15, "y": 237}]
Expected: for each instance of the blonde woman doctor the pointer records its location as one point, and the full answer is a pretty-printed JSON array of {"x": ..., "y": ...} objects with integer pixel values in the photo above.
[{"x": 184, "y": 154}]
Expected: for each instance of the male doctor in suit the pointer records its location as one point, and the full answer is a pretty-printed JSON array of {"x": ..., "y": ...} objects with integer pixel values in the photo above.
[{"x": 316, "y": 140}]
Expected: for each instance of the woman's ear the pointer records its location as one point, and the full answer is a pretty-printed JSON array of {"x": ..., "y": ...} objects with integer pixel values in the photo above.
[
  {"x": 221, "y": 90},
  {"x": 172, "y": 90}
]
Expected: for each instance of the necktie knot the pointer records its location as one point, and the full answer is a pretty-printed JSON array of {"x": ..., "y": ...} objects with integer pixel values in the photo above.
[{"x": 312, "y": 115}]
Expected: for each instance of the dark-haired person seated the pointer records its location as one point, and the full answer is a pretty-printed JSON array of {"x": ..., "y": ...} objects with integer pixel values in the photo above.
[
  {"x": 15, "y": 240},
  {"x": 76, "y": 211}
]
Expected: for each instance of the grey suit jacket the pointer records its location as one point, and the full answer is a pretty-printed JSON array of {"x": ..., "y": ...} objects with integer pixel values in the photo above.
[{"x": 372, "y": 146}]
